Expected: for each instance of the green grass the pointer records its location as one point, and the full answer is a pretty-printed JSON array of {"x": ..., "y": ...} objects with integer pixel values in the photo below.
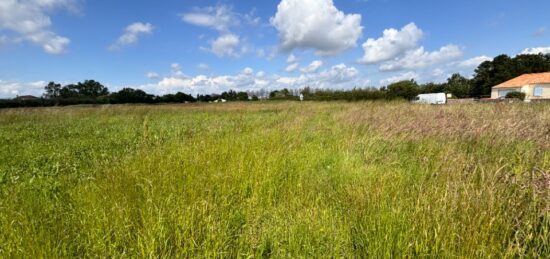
[{"x": 276, "y": 180}]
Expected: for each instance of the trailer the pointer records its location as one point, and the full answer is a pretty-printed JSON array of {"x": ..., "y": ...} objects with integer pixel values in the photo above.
[{"x": 437, "y": 98}]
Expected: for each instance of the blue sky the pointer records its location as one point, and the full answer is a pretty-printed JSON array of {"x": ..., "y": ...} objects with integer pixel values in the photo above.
[{"x": 202, "y": 46}]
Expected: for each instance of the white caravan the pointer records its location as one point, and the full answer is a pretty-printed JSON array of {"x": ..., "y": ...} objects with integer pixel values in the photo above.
[{"x": 439, "y": 98}]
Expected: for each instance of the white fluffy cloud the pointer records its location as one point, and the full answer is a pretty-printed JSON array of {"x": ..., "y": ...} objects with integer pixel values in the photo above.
[
  {"x": 31, "y": 21},
  {"x": 222, "y": 18},
  {"x": 10, "y": 89},
  {"x": 219, "y": 18},
  {"x": 177, "y": 71},
  {"x": 420, "y": 58},
  {"x": 338, "y": 76},
  {"x": 243, "y": 81},
  {"x": 226, "y": 45},
  {"x": 543, "y": 50},
  {"x": 131, "y": 34},
  {"x": 474, "y": 62},
  {"x": 316, "y": 24},
  {"x": 400, "y": 77},
  {"x": 392, "y": 44},
  {"x": 399, "y": 50},
  {"x": 335, "y": 77},
  {"x": 312, "y": 67},
  {"x": 292, "y": 67},
  {"x": 248, "y": 71}
]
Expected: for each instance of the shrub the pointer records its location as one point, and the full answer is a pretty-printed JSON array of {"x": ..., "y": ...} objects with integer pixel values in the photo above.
[
  {"x": 516, "y": 95},
  {"x": 407, "y": 89}
]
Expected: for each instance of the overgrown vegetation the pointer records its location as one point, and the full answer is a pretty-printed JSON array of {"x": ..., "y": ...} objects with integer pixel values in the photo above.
[{"x": 277, "y": 179}]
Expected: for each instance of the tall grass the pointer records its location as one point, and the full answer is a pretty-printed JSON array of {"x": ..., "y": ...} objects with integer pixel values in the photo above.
[{"x": 276, "y": 179}]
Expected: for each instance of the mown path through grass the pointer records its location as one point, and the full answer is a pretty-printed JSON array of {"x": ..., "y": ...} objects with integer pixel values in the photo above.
[{"x": 275, "y": 179}]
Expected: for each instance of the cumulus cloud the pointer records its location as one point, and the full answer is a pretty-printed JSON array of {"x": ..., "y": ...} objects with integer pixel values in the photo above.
[
  {"x": 246, "y": 80},
  {"x": 131, "y": 34},
  {"x": 222, "y": 18},
  {"x": 243, "y": 81},
  {"x": 399, "y": 50},
  {"x": 474, "y": 62},
  {"x": 248, "y": 71},
  {"x": 392, "y": 44},
  {"x": 226, "y": 45},
  {"x": 219, "y": 17},
  {"x": 438, "y": 72},
  {"x": 292, "y": 67},
  {"x": 337, "y": 76},
  {"x": 316, "y": 24},
  {"x": 543, "y": 50},
  {"x": 31, "y": 21},
  {"x": 420, "y": 58},
  {"x": 400, "y": 77},
  {"x": 312, "y": 67},
  {"x": 10, "y": 89}
]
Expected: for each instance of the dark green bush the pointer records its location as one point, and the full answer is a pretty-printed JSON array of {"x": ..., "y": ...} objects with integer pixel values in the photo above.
[{"x": 516, "y": 95}]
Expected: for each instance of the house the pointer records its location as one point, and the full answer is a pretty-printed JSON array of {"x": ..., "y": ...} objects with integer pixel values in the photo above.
[
  {"x": 26, "y": 97},
  {"x": 535, "y": 86}
]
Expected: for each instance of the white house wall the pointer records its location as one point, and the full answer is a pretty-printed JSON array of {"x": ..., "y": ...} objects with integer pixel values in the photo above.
[{"x": 529, "y": 91}]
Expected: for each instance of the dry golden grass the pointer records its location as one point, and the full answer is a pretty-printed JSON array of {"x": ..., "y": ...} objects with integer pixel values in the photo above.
[{"x": 497, "y": 121}]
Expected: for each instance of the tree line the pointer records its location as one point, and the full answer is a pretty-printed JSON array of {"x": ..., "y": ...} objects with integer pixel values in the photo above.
[{"x": 487, "y": 75}]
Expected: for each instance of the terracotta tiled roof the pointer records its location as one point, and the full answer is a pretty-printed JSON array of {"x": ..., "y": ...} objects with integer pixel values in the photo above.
[{"x": 526, "y": 79}]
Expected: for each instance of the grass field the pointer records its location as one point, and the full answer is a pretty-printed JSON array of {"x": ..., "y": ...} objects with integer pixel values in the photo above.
[{"x": 276, "y": 179}]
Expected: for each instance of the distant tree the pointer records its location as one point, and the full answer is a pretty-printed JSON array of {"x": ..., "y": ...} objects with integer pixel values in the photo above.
[
  {"x": 407, "y": 90},
  {"x": 69, "y": 91},
  {"x": 182, "y": 97},
  {"x": 52, "y": 90},
  {"x": 242, "y": 96},
  {"x": 306, "y": 91},
  {"x": 492, "y": 73},
  {"x": 229, "y": 96},
  {"x": 91, "y": 88},
  {"x": 129, "y": 95},
  {"x": 205, "y": 98},
  {"x": 458, "y": 86},
  {"x": 432, "y": 88},
  {"x": 88, "y": 89},
  {"x": 179, "y": 97},
  {"x": 532, "y": 63},
  {"x": 280, "y": 94}
]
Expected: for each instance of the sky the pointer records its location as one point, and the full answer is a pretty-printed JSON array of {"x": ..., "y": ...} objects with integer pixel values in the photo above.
[{"x": 203, "y": 46}]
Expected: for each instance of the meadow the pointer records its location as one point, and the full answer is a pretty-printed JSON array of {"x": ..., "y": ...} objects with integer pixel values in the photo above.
[{"x": 276, "y": 179}]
